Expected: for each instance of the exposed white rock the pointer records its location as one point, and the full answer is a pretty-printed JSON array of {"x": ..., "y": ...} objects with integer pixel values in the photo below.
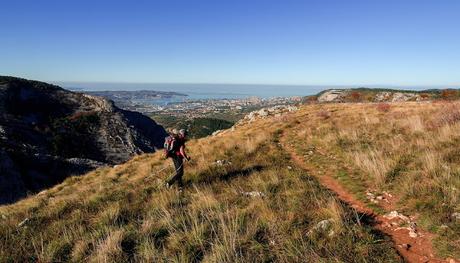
[
  {"x": 263, "y": 112},
  {"x": 396, "y": 96},
  {"x": 102, "y": 104},
  {"x": 383, "y": 96},
  {"x": 323, "y": 226},
  {"x": 253, "y": 194},
  {"x": 222, "y": 162},
  {"x": 413, "y": 233},
  {"x": 216, "y": 132},
  {"x": 395, "y": 214},
  {"x": 375, "y": 198},
  {"x": 456, "y": 216},
  {"x": 332, "y": 96},
  {"x": 399, "y": 96},
  {"x": 267, "y": 112}
]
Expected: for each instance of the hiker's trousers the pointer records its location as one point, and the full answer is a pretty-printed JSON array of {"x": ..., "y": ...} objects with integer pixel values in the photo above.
[{"x": 179, "y": 168}]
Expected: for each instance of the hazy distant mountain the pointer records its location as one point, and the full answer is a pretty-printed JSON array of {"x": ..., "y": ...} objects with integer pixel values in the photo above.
[{"x": 48, "y": 133}]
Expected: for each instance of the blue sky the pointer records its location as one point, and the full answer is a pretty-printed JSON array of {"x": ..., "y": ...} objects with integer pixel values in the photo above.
[{"x": 341, "y": 42}]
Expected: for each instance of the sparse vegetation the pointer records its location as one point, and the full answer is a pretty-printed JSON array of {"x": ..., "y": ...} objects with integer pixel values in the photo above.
[
  {"x": 258, "y": 206},
  {"x": 410, "y": 151},
  {"x": 125, "y": 213}
]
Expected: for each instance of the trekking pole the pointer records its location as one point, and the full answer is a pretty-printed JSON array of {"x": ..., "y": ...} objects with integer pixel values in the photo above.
[
  {"x": 164, "y": 168},
  {"x": 157, "y": 172}
]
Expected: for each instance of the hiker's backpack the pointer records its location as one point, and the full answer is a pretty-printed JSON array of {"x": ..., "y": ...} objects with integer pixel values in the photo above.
[{"x": 169, "y": 146}]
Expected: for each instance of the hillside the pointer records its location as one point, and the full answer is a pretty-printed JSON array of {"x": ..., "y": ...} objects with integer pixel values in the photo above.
[
  {"x": 382, "y": 95},
  {"x": 48, "y": 133},
  {"x": 320, "y": 184}
]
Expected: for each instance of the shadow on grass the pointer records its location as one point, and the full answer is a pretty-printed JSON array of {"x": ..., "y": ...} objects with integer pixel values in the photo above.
[
  {"x": 369, "y": 221},
  {"x": 215, "y": 174},
  {"x": 243, "y": 173}
]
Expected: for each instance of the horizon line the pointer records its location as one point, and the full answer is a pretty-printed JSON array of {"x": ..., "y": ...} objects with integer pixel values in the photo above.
[
  {"x": 255, "y": 84},
  {"x": 450, "y": 85}
]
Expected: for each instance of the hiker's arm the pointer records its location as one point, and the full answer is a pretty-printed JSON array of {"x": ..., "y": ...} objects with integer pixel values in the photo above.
[{"x": 182, "y": 152}]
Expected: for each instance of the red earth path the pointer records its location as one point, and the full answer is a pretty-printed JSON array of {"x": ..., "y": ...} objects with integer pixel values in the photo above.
[{"x": 412, "y": 249}]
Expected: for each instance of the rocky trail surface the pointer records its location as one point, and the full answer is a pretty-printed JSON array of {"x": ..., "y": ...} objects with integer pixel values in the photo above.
[{"x": 412, "y": 243}]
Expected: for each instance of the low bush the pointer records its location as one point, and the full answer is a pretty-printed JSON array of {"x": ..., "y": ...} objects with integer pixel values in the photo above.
[{"x": 383, "y": 107}]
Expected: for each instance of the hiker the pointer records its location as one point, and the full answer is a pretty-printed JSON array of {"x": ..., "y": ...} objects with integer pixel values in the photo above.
[{"x": 175, "y": 149}]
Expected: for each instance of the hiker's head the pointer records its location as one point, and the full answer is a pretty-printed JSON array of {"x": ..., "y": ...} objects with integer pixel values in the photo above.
[
  {"x": 174, "y": 132},
  {"x": 183, "y": 133}
]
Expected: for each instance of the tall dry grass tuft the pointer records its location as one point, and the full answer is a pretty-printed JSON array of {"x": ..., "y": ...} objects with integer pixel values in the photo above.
[
  {"x": 376, "y": 165},
  {"x": 251, "y": 143},
  {"x": 109, "y": 248},
  {"x": 415, "y": 123},
  {"x": 431, "y": 161}
]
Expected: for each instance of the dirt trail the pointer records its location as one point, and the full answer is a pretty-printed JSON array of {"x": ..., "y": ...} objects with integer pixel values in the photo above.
[{"x": 412, "y": 249}]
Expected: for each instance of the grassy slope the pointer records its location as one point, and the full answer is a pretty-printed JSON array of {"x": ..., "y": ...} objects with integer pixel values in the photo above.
[
  {"x": 412, "y": 151},
  {"x": 122, "y": 214}
]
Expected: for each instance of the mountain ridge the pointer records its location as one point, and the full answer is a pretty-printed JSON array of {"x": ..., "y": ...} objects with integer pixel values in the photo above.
[{"x": 48, "y": 133}]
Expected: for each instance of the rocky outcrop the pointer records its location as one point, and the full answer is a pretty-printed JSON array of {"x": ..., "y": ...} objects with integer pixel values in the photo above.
[
  {"x": 48, "y": 133},
  {"x": 366, "y": 95},
  {"x": 396, "y": 96},
  {"x": 275, "y": 111},
  {"x": 332, "y": 96}
]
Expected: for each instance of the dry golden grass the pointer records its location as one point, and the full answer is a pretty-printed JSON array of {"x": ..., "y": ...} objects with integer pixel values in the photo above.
[
  {"x": 125, "y": 214},
  {"x": 409, "y": 149}
]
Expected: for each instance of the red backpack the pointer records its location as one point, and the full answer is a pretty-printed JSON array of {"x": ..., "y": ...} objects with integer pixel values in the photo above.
[{"x": 169, "y": 146}]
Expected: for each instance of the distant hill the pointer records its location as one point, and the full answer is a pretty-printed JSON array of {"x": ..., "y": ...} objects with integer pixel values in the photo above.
[
  {"x": 383, "y": 95},
  {"x": 127, "y": 99},
  {"x": 48, "y": 133}
]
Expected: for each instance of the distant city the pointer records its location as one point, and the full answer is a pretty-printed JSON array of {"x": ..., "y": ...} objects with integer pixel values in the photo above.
[
  {"x": 179, "y": 104},
  {"x": 202, "y": 100}
]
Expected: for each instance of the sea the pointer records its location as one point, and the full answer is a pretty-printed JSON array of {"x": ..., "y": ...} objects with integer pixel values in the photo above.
[
  {"x": 203, "y": 91},
  {"x": 208, "y": 91}
]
